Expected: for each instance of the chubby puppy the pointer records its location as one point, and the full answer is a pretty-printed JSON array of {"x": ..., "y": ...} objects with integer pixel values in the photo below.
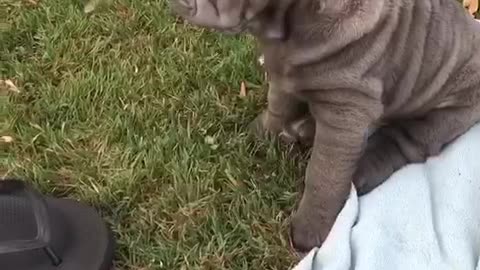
[{"x": 340, "y": 69}]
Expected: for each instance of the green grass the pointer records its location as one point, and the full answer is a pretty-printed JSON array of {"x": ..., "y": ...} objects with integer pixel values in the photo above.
[{"x": 130, "y": 111}]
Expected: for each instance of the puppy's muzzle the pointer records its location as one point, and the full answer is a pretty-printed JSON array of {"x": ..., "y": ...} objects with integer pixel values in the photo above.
[{"x": 224, "y": 15}]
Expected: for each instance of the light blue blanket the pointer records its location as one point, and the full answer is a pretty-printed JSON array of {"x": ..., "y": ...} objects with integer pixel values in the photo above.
[{"x": 425, "y": 217}]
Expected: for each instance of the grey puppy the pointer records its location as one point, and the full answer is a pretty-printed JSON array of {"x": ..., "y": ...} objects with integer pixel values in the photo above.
[{"x": 344, "y": 67}]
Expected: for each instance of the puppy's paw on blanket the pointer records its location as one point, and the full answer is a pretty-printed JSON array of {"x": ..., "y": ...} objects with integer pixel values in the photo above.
[
  {"x": 309, "y": 230},
  {"x": 306, "y": 234},
  {"x": 425, "y": 217}
]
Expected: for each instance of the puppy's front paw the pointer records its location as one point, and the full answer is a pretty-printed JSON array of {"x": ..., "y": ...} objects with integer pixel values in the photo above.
[
  {"x": 301, "y": 130},
  {"x": 309, "y": 231},
  {"x": 265, "y": 126},
  {"x": 258, "y": 126}
]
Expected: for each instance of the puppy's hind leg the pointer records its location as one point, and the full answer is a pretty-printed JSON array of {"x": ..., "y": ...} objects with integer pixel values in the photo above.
[
  {"x": 381, "y": 158},
  {"x": 411, "y": 141}
]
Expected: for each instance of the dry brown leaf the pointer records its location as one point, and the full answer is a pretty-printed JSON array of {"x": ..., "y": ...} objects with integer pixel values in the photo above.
[
  {"x": 32, "y": 3},
  {"x": 125, "y": 13},
  {"x": 471, "y": 6},
  {"x": 8, "y": 86},
  {"x": 91, "y": 6},
  {"x": 12, "y": 86},
  {"x": 6, "y": 139},
  {"x": 243, "y": 89}
]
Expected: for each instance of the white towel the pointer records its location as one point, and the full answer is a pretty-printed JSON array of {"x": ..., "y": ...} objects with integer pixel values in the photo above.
[{"x": 425, "y": 217}]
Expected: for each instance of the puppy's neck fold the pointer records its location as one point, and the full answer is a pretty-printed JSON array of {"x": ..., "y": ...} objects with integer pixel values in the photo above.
[
  {"x": 272, "y": 24},
  {"x": 272, "y": 21}
]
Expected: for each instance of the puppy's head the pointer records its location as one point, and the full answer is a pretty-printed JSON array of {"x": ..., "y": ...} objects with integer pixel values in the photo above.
[{"x": 235, "y": 16}]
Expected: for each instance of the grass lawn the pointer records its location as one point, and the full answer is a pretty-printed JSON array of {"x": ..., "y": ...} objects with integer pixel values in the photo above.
[{"x": 131, "y": 111}]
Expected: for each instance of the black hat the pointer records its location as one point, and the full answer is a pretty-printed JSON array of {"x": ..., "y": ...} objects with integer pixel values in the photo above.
[{"x": 43, "y": 233}]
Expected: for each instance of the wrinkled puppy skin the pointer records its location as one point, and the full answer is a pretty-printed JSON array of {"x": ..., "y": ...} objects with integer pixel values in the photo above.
[{"x": 409, "y": 68}]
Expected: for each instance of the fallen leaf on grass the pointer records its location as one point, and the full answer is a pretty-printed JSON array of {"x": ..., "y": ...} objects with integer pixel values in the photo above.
[
  {"x": 243, "y": 89},
  {"x": 8, "y": 86},
  {"x": 91, "y": 6},
  {"x": 6, "y": 139},
  {"x": 32, "y": 3},
  {"x": 125, "y": 13}
]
